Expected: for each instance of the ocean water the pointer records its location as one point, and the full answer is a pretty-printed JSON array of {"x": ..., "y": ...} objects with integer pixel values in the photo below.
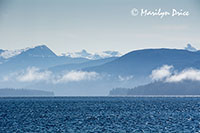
[{"x": 100, "y": 114}]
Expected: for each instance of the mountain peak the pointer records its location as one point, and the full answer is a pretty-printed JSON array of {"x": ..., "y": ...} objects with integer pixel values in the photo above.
[
  {"x": 39, "y": 51},
  {"x": 189, "y": 47},
  {"x": 41, "y": 46}
]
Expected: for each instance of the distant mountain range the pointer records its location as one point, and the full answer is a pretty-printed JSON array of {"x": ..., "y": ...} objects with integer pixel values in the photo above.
[
  {"x": 142, "y": 62},
  {"x": 6, "y": 54},
  {"x": 85, "y": 73},
  {"x": 80, "y": 66},
  {"x": 43, "y": 58},
  {"x": 139, "y": 62},
  {"x": 40, "y": 56}
]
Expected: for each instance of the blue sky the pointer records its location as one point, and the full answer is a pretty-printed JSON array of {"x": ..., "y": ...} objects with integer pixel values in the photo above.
[{"x": 73, "y": 25}]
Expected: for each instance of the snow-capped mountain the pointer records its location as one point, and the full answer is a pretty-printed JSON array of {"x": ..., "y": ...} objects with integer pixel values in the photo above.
[
  {"x": 39, "y": 56},
  {"x": 1, "y": 58},
  {"x": 44, "y": 51},
  {"x": 6, "y": 54},
  {"x": 189, "y": 47},
  {"x": 93, "y": 56},
  {"x": 1, "y": 50},
  {"x": 40, "y": 50}
]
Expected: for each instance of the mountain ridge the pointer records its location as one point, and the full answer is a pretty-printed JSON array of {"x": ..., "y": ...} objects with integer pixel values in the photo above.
[
  {"x": 39, "y": 56},
  {"x": 142, "y": 62}
]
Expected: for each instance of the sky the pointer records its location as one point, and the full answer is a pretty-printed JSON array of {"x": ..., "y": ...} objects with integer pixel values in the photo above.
[{"x": 73, "y": 25}]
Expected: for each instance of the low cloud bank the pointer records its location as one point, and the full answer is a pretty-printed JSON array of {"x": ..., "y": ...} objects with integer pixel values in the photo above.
[
  {"x": 76, "y": 76},
  {"x": 33, "y": 74},
  {"x": 167, "y": 73},
  {"x": 162, "y": 73}
]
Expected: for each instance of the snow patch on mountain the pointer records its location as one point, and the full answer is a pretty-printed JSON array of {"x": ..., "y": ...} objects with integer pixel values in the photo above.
[
  {"x": 35, "y": 51},
  {"x": 93, "y": 56},
  {"x": 189, "y": 47},
  {"x": 11, "y": 53}
]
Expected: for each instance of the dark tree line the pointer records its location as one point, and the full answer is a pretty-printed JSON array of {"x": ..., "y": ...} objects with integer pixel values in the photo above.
[
  {"x": 23, "y": 92},
  {"x": 161, "y": 88}
]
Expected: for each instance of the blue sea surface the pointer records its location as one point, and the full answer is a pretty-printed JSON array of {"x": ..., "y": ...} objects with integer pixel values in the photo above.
[{"x": 100, "y": 114}]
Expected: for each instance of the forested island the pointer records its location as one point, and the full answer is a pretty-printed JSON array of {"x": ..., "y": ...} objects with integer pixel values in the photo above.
[
  {"x": 160, "y": 88},
  {"x": 10, "y": 92}
]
